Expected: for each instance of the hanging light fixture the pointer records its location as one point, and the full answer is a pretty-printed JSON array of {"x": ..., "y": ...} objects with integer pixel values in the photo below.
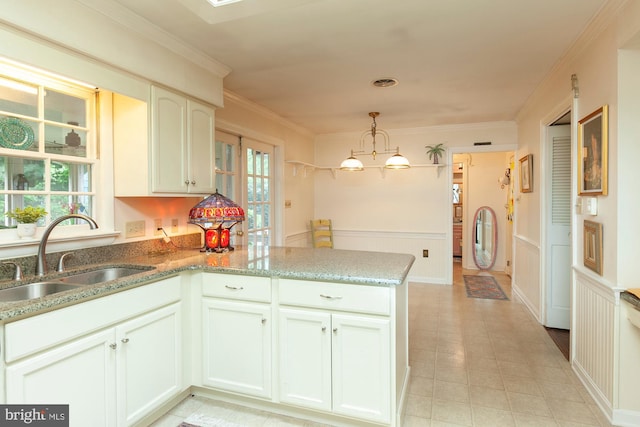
[{"x": 397, "y": 161}]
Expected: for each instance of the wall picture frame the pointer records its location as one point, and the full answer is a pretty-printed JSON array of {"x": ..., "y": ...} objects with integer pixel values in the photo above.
[
  {"x": 592, "y": 249},
  {"x": 593, "y": 148},
  {"x": 526, "y": 174}
]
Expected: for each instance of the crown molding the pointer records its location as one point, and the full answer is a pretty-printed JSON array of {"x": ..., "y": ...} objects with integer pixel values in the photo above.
[
  {"x": 603, "y": 19},
  {"x": 126, "y": 18},
  {"x": 264, "y": 112}
]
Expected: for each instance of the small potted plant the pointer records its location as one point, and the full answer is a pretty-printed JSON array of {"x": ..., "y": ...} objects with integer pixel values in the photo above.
[
  {"x": 434, "y": 152},
  {"x": 27, "y": 219}
]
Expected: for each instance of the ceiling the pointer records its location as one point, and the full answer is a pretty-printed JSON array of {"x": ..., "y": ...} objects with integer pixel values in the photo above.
[{"x": 313, "y": 61}]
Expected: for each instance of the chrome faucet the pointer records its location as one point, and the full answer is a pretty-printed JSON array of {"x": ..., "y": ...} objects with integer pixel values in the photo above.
[{"x": 41, "y": 263}]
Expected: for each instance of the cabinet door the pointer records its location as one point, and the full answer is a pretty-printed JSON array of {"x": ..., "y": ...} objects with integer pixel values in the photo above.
[
  {"x": 202, "y": 158},
  {"x": 149, "y": 350},
  {"x": 237, "y": 346},
  {"x": 80, "y": 374},
  {"x": 305, "y": 358},
  {"x": 361, "y": 367},
  {"x": 169, "y": 143}
]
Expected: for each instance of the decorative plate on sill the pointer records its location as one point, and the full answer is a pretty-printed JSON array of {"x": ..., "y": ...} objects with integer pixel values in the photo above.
[{"x": 15, "y": 133}]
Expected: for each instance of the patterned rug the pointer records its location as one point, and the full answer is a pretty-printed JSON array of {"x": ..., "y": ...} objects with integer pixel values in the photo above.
[{"x": 483, "y": 287}]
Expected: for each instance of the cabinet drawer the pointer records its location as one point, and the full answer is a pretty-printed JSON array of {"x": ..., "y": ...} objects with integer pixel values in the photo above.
[
  {"x": 33, "y": 334},
  {"x": 231, "y": 286},
  {"x": 336, "y": 296}
]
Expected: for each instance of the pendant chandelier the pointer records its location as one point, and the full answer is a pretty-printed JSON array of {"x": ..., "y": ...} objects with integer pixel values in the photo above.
[{"x": 396, "y": 161}]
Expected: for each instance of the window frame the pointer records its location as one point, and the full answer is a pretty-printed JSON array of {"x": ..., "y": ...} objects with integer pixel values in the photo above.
[{"x": 47, "y": 81}]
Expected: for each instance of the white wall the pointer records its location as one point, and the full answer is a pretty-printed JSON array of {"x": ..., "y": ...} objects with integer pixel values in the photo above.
[
  {"x": 399, "y": 211},
  {"x": 82, "y": 27},
  {"x": 242, "y": 117},
  {"x": 595, "y": 59}
]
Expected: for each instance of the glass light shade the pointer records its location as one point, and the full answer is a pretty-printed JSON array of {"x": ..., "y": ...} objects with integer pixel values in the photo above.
[
  {"x": 397, "y": 161},
  {"x": 351, "y": 164}
]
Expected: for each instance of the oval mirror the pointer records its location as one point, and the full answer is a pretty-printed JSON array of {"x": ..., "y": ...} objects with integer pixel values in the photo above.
[{"x": 485, "y": 238}]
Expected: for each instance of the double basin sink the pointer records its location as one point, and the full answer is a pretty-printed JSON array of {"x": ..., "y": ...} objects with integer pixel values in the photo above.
[{"x": 92, "y": 277}]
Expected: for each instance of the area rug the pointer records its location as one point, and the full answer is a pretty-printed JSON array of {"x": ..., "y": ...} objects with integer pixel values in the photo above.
[
  {"x": 484, "y": 287},
  {"x": 201, "y": 420}
]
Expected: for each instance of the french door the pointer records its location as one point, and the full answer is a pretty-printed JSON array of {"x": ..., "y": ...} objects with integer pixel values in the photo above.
[{"x": 244, "y": 173}]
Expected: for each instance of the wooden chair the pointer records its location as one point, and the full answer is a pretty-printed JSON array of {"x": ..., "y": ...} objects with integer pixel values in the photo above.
[{"x": 321, "y": 233}]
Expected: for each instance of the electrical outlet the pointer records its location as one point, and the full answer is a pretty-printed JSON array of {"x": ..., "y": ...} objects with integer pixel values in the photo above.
[
  {"x": 134, "y": 229},
  {"x": 174, "y": 226},
  {"x": 425, "y": 253},
  {"x": 157, "y": 227}
]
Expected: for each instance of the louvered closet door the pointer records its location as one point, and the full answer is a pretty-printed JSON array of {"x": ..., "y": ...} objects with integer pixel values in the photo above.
[{"x": 558, "y": 250}]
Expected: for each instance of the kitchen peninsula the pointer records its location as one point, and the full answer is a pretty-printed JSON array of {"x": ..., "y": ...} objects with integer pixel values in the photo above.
[{"x": 313, "y": 333}]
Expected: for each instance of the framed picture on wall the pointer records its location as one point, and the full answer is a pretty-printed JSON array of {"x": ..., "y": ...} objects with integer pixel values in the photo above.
[
  {"x": 526, "y": 174},
  {"x": 592, "y": 153},
  {"x": 593, "y": 246}
]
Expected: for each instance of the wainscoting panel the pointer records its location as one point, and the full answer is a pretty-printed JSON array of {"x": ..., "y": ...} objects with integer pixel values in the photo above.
[
  {"x": 593, "y": 334},
  {"x": 431, "y": 269},
  {"x": 526, "y": 275}
]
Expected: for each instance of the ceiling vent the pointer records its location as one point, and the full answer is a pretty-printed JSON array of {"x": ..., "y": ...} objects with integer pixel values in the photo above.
[{"x": 386, "y": 82}]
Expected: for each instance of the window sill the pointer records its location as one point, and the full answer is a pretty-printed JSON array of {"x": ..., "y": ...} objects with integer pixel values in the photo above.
[{"x": 13, "y": 247}]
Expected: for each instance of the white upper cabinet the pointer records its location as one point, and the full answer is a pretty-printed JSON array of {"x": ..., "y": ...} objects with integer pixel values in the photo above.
[
  {"x": 182, "y": 143},
  {"x": 171, "y": 154}
]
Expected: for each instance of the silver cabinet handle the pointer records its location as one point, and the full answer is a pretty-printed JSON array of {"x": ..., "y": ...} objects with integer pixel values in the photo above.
[
  {"x": 113, "y": 346},
  {"x": 187, "y": 182},
  {"x": 125, "y": 340},
  {"x": 264, "y": 321},
  {"x": 330, "y": 296},
  {"x": 335, "y": 330},
  {"x": 234, "y": 288},
  {"x": 193, "y": 183},
  {"x": 324, "y": 329}
]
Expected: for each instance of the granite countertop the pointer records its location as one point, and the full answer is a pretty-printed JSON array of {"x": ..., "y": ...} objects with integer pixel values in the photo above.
[{"x": 329, "y": 265}]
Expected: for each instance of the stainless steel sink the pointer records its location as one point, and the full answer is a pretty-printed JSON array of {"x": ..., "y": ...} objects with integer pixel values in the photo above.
[
  {"x": 34, "y": 290},
  {"x": 102, "y": 275}
]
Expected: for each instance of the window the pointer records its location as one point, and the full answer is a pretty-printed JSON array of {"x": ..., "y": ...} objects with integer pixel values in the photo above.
[
  {"x": 259, "y": 203},
  {"x": 47, "y": 144}
]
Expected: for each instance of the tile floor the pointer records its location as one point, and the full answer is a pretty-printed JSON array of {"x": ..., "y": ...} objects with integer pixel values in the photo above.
[{"x": 474, "y": 362}]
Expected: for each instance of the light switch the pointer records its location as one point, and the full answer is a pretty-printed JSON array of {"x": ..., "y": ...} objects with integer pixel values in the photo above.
[{"x": 590, "y": 206}]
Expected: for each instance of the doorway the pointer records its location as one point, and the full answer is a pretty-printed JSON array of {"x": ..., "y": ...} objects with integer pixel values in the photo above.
[
  {"x": 557, "y": 211},
  {"x": 476, "y": 172}
]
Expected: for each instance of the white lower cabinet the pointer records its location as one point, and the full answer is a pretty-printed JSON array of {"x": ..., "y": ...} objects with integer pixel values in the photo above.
[
  {"x": 149, "y": 362},
  {"x": 80, "y": 374},
  {"x": 112, "y": 377},
  {"x": 237, "y": 346},
  {"x": 336, "y": 362}
]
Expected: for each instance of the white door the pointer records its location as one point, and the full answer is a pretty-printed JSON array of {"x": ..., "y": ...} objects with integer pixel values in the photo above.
[
  {"x": 169, "y": 136},
  {"x": 149, "y": 362},
  {"x": 259, "y": 191},
  {"x": 244, "y": 173},
  {"x": 228, "y": 176},
  {"x": 200, "y": 135},
  {"x": 80, "y": 374},
  {"x": 558, "y": 211},
  {"x": 305, "y": 358},
  {"x": 237, "y": 346},
  {"x": 361, "y": 367}
]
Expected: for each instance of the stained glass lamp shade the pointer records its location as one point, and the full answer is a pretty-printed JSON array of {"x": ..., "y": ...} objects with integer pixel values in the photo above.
[{"x": 216, "y": 215}]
